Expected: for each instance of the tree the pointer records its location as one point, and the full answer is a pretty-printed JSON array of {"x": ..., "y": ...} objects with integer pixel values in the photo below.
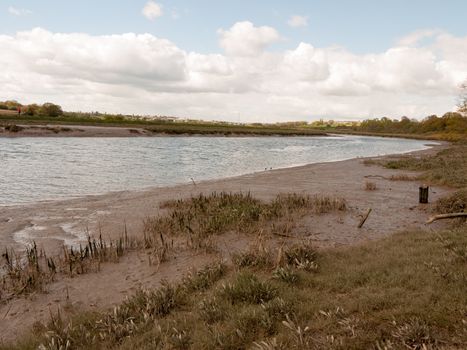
[
  {"x": 50, "y": 110},
  {"x": 12, "y": 105},
  {"x": 462, "y": 105},
  {"x": 32, "y": 109}
]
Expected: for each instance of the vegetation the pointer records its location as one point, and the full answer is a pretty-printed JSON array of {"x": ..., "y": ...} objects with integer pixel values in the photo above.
[
  {"x": 406, "y": 291},
  {"x": 195, "y": 220},
  {"x": 447, "y": 167}
]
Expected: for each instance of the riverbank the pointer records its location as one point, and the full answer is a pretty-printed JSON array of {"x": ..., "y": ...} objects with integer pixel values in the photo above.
[
  {"x": 394, "y": 207},
  {"x": 25, "y": 128}
]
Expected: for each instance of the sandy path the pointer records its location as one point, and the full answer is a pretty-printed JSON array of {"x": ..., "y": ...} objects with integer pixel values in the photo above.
[{"x": 394, "y": 203}]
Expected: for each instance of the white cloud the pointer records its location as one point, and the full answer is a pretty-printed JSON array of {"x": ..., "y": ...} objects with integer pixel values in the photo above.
[
  {"x": 18, "y": 11},
  {"x": 131, "y": 73},
  {"x": 415, "y": 37},
  {"x": 152, "y": 10},
  {"x": 298, "y": 21},
  {"x": 244, "y": 39}
]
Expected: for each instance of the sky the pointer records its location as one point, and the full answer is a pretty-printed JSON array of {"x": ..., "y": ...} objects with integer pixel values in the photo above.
[{"x": 266, "y": 61}]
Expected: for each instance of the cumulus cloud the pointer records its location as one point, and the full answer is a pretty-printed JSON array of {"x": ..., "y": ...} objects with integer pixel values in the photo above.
[
  {"x": 141, "y": 73},
  {"x": 152, "y": 10},
  {"x": 298, "y": 21},
  {"x": 244, "y": 39},
  {"x": 18, "y": 11}
]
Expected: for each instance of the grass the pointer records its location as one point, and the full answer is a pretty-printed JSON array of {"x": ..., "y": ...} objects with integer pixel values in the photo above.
[
  {"x": 405, "y": 291},
  {"x": 33, "y": 270},
  {"x": 196, "y": 220},
  {"x": 200, "y": 218},
  {"x": 447, "y": 167}
]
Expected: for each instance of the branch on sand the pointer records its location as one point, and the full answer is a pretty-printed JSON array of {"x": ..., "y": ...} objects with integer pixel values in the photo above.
[{"x": 446, "y": 216}]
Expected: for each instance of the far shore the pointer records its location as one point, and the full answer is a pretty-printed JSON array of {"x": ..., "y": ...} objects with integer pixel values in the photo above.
[
  {"x": 394, "y": 207},
  {"x": 13, "y": 130}
]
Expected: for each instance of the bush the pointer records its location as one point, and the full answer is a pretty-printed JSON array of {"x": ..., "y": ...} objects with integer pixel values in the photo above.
[
  {"x": 50, "y": 110},
  {"x": 32, "y": 109}
]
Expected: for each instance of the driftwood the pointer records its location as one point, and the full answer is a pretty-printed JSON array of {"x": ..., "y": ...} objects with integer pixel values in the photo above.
[
  {"x": 364, "y": 218},
  {"x": 446, "y": 216}
]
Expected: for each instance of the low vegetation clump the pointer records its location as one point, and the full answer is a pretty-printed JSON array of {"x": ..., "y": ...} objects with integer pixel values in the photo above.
[
  {"x": 370, "y": 186},
  {"x": 202, "y": 217},
  {"x": 33, "y": 270},
  {"x": 402, "y": 177}
]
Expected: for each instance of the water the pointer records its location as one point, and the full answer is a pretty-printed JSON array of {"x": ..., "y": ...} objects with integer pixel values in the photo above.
[{"x": 36, "y": 169}]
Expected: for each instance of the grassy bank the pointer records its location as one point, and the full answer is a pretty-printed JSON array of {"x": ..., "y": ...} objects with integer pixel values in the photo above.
[
  {"x": 160, "y": 126},
  {"x": 448, "y": 167}
]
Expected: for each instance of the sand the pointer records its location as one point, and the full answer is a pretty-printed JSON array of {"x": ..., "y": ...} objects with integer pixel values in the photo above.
[
  {"x": 75, "y": 131},
  {"x": 394, "y": 204}
]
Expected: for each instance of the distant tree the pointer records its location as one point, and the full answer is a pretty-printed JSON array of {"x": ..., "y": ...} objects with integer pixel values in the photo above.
[
  {"x": 3, "y": 105},
  {"x": 12, "y": 105},
  {"x": 50, "y": 110},
  {"x": 32, "y": 109},
  {"x": 462, "y": 105}
]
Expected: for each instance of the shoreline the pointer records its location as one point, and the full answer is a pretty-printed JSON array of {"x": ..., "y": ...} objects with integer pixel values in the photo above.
[
  {"x": 430, "y": 146},
  {"x": 77, "y": 207},
  {"x": 394, "y": 203},
  {"x": 90, "y": 196}
]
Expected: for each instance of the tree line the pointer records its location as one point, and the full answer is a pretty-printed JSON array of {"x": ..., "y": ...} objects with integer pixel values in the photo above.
[{"x": 47, "y": 109}]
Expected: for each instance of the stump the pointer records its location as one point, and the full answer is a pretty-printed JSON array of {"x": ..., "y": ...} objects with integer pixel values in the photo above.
[{"x": 423, "y": 194}]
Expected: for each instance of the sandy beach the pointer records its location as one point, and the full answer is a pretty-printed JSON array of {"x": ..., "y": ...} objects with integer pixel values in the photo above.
[{"x": 394, "y": 207}]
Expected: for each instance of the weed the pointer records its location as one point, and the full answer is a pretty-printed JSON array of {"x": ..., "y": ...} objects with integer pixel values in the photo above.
[
  {"x": 302, "y": 257},
  {"x": 212, "y": 310},
  {"x": 247, "y": 288},
  {"x": 286, "y": 274}
]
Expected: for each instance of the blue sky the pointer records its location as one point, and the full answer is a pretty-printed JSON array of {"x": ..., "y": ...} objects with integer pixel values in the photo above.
[
  {"x": 359, "y": 25},
  {"x": 237, "y": 60}
]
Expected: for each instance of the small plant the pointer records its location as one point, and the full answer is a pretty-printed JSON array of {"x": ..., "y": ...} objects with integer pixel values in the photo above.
[
  {"x": 246, "y": 288},
  {"x": 204, "y": 278},
  {"x": 278, "y": 308},
  {"x": 286, "y": 274},
  {"x": 302, "y": 257},
  {"x": 300, "y": 333},
  {"x": 370, "y": 186},
  {"x": 257, "y": 256},
  {"x": 414, "y": 334},
  {"x": 211, "y": 310}
]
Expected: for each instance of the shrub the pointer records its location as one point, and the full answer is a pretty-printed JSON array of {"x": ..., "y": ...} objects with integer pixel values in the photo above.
[{"x": 50, "y": 110}]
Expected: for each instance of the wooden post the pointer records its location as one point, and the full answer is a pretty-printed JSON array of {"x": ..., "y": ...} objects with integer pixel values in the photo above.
[{"x": 423, "y": 194}]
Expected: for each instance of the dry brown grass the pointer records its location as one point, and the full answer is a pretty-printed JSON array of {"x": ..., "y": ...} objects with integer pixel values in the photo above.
[{"x": 370, "y": 186}]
